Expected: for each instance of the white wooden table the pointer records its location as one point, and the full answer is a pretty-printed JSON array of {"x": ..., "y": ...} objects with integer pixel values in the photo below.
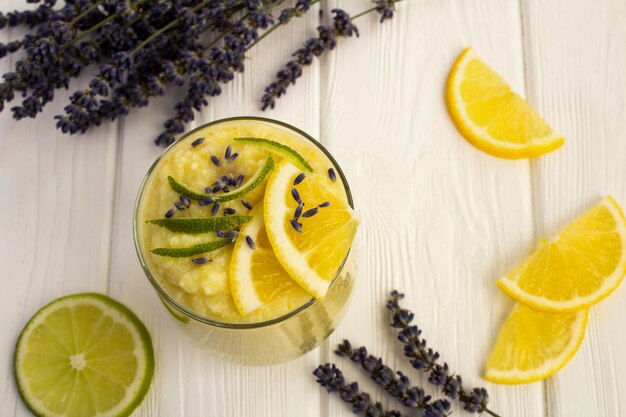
[{"x": 441, "y": 220}]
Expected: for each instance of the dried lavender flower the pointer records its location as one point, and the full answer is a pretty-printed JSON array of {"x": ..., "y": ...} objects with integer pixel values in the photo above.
[
  {"x": 296, "y": 195},
  {"x": 141, "y": 48},
  {"x": 200, "y": 261},
  {"x": 332, "y": 175},
  {"x": 326, "y": 40},
  {"x": 246, "y": 204},
  {"x": 197, "y": 142},
  {"x": 296, "y": 225},
  {"x": 425, "y": 359},
  {"x": 215, "y": 208},
  {"x": 396, "y": 383},
  {"x": 301, "y": 176},
  {"x": 310, "y": 213},
  {"x": 331, "y": 378}
]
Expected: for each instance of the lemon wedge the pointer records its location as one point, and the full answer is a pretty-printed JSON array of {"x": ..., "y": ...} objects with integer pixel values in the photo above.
[
  {"x": 532, "y": 345},
  {"x": 492, "y": 117},
  {"x": 577, "y": 269},
  {"x": 256, "y": 276},
  {"x": 310, "y": 245}
]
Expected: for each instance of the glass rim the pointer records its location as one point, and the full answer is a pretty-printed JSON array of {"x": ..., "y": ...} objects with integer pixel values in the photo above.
[{"x": 146, "y": 269}]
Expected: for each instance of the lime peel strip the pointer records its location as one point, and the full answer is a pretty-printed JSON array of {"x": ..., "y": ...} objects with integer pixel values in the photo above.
[
  {"x": 285, "y": 151},
  {"x": 256, "y": 180},
  {"x": 192, "y": 250},
  {"x": 195, "y": 225}
]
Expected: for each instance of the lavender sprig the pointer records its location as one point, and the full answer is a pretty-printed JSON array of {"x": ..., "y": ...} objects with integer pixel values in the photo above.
[
  {"x": 342, "y": 27},
  {"x": 142, "y": 47},
  {"x": 331, "y": 378},
  {"x": 396, "y": 384},
  {"x": 426, "y": 360}
]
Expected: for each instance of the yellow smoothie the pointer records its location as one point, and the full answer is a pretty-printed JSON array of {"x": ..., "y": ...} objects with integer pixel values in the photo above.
[{"x": 204, "y": 287}]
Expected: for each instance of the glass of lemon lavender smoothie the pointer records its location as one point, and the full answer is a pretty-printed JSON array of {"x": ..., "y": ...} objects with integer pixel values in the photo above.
[{"x": 244, "y": 227}]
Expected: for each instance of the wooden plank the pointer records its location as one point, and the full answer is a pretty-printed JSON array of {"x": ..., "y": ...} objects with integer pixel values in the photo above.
[
  {"x": 575, "y": 60},
  {"x": 189, "y": 381},
  {"x": 55, "y": 226},
  {"x": 440, "y": 220}
]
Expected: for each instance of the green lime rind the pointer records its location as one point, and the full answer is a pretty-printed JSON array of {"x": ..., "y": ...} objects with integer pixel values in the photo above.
[
  {"x": 186, "y": 191},
  {"x": 251, "y": 184},
  {"x": 284, "y": 151},
  {"x": 256, "y": 180},
  {"x": 144, "y": 335},
  {"x": 192, "y": 250},
  {"x": 195, "y": 225}
]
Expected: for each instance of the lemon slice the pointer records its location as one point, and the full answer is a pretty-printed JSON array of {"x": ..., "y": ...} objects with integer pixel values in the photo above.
[
  {"x": 256, "y": 276},
  {"x": 313, "y": 255},
  {"x": 492, "y": 117},
  {"x": 83, "y": 355},
  {"x": 532, "y": 345},
  {"x": 584, "y": 264}
]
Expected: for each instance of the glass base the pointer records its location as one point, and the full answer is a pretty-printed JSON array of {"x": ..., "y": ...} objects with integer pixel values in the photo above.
[{"x": 279, "y": 342}]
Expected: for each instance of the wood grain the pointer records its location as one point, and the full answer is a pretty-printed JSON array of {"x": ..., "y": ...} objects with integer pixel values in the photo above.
[
  {"x": 575, "y": 60},
  {"x": 441, "y": 220}
]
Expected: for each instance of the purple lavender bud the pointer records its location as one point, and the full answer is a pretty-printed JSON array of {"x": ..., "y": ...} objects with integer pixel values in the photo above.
[
  {"x": 226, "y": 189},
  {"x": 208, "y": 190},
  {"x": 246, "y": 204},
  {"x": 239, "y": 180},
  {"x": 297, "y": 226},
  {"x": 206, "y": 202},
  {"x": 324, "y": 204},
  {"x": 197, "y": 142},
  {"x": 216, "y": 160},
  {"x": 231, "y": 234},
  {"x": 250, "y": 243},
  {"x": 219, "y": 233},
  {"x": 179, "y": 205},
  {"x": 184, "y": 200},
  {"x": 200, "y": 261},
  {"x": 229, "y": 211},
  {"x": 332, "y": 175},
  {"x": 299, "y": 178},
  {"x": 298, "y": 212},
  {"x": 232, "y": 158},
  {"x": 169, "y": 213},
  {"x": 296, "y": 195},
  {"x": 310, "y": 213},
  {"x": 215, "y": 208},
  {"x": 228, "y": 153}
]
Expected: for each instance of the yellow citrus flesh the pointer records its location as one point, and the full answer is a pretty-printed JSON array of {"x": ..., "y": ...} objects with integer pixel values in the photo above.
[
  {"x": 533, "y": 344},
  {"x": 83, "y": 355},
  {"x": 492, "y": 117},
  {"x": 584, "y": 264},
  {"x": 311, "y": 257},
  {"x": 256, "y": 276}
]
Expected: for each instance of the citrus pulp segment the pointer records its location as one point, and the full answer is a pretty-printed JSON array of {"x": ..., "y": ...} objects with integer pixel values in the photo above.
[
  {"x": 83, "y": 355},
  {"x": 256, "y": 276},
  {"x": 533, "y": 344},
  {"x": 313, "y": 254},
  {"x": 577, "y": 269},
  {"x": 492, "y": 117}
]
